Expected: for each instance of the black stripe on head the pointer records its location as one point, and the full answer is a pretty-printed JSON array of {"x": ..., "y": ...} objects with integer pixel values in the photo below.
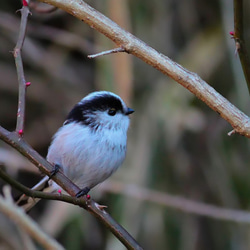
[
  {"x": 84, "y": 110},
  {"x": 75, "y": 115}
]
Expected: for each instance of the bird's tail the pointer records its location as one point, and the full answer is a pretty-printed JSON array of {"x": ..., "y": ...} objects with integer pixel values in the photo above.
[{"x": 28, "y": 202}]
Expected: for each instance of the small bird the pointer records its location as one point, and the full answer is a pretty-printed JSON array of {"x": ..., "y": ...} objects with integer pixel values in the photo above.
[{"x": 91, "y": 144}]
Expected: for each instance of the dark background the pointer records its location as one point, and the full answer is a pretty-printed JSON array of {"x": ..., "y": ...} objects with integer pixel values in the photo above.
[{"x": 176, "y": 144}]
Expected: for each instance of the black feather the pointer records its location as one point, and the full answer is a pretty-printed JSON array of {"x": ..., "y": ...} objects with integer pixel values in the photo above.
[{"x": 83, "y": 110}]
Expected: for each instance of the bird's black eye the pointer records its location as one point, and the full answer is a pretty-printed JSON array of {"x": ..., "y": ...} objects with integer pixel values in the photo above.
[{"x": 112, "y": 111}]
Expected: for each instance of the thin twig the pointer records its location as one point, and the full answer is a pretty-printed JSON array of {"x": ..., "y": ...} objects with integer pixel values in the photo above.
[
  {"x": 240, "y": 40},
  {"x": 37, "y": 8},
  {"x": 8, "y": 208},
  {"x": 38, "y": 194},
  {"x": 230, "y": 133},
  {"x": 20, "y": 72},
  {"x": 239, "y": 121},
  {"x": 19, "y": 144},
  {"x": 107, "y": 52}
]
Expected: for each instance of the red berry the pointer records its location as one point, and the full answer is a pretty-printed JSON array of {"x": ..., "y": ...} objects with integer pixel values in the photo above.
[
  {"x": 232, "y": 33},
  {"x": 20, "y": 132},
  {"x": 59, "y": 191},
  {"x": 88, "y": 196},
  {"x": 28, "y": 84},
  {"x": 25, "y": 3}
]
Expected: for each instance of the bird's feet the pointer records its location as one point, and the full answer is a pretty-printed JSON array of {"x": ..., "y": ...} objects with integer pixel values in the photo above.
[
  {"x": 54, "y": 171},
  {"x": 82, "y": 192}
]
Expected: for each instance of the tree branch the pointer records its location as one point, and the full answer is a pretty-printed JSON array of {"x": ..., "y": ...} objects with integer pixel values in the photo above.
[
  {"x": 107, "y": 52},
  {"x": 191, "y": 81},
  {"x": 19, "y": 144},
  {"x": 240, "y": 41},
  {"x": 171, "y": 201},
  {"x": 20, "y": 72},
  {"x": 178, "y": 203},
  {"x": 8, "y": 208}
]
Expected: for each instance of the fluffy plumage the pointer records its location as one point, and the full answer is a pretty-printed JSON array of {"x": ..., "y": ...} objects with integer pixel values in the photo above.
[{"x": 91, "y": 144}]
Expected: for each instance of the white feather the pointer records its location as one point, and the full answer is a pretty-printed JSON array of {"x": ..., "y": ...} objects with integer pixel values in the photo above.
[{"x": 89, "y": 154}]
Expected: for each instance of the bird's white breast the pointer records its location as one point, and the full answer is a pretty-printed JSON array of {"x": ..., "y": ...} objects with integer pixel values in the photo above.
[{"x": 88, "y": 157}]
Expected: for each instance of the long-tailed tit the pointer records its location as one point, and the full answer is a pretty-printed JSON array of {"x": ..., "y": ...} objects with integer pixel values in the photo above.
[{"x": 91, "y": 144}]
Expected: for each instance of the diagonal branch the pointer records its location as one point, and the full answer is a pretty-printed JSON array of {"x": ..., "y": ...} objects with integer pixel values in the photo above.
[
  {"x": 191, "y": 81},
  {"x": 23, "y": 221},
  {"x": 25, "y": 149},
  {"x": 171, "y": 201}
]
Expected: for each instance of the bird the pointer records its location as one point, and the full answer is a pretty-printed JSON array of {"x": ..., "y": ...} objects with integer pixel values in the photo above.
[{"x": 90, "y": 146}]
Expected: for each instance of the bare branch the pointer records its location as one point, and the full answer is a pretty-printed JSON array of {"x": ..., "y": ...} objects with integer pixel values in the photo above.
[
  {"x": 232, "y": 132},
  {"x": 172, "y": 201},
  {"x": 20, "y": 72},
  {"x": 8, "y": 208},
  {"x": 19, "y": 144},
  {"x": 107, "y": 52},
  {"x": 191, "y": 81},
  {"x": 178, "y": 203}
]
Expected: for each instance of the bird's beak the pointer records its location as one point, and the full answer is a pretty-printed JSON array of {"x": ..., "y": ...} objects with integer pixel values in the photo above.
[{"x": 129, "y": 111}]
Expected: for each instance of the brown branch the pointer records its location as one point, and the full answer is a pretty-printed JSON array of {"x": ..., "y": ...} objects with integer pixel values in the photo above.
[
  {"x": 15, "y": 140},
  {"x": 240, "y": 41},
  {"x": 178, "y": 203},
  {"x": 38, "y": 194},
  {"x": 8, "y": 208},
  {"x": 239, "y": 121},
  {"x": 19, "y": 144},
  {"x": 20, "y": 72},
  {"x": 172, "y": 201}
]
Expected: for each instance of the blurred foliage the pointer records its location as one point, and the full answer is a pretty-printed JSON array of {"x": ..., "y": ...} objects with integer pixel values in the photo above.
[{"x": 176, "y": 144}]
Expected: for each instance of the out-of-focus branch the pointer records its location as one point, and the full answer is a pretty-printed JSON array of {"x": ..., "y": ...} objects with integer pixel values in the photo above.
[
  {"x": 8, "y": 208},
  {"x": 19, "y": 144},
  {"x": 239, "y": 121},
  {"x": 177, "y": 202},
  {"x": 240, "y": 41},
  {"x": 20, "y": 72},
  {"x": 37, "y": 8},
  {"x": 172, "y": 201}
]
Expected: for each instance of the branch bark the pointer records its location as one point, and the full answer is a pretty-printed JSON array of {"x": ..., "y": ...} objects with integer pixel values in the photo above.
[
  {"x": 191, "y": 81},
  {"x": 8, "y": 208},
  {"x": 14, "y": 140},
  {"x": 20, "y": 72}
]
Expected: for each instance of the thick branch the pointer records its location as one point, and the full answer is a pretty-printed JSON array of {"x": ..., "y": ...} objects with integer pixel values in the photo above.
[
  {"x": 240, "y": 41},
  {"x": 239, "y": 121},
  {"x": 19, "y": 144}
]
